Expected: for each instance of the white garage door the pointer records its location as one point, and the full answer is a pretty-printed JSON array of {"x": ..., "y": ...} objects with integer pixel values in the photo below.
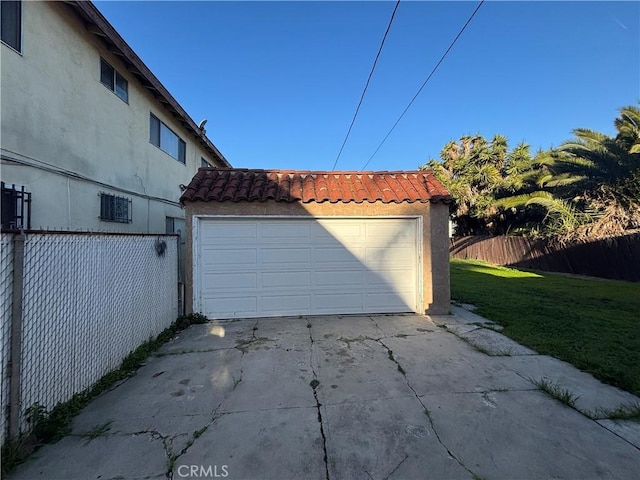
[{"x": 261, "y": 267}]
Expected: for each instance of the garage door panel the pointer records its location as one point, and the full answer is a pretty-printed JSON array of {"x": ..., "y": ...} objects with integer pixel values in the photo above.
[
  {"x": 281, "y": 255},
  {"x": 337, "y": 254},
  {"x": 385, "y": 300},
  {"x": 338, "y": 301},
  {"x": 344, "y": 278},
  {"x": 306, "y": 266},
  {"x": 235, "y": 231},
  {"x": 328, "y": 230},
  {"x": 287, "y": 279},
  {"x": 281, "y": 304},
  {"x": 233, "y": 281},
  {"x": 398, "y": 278},
  {"x": 379, "y": 257},
  {"x": 240, "y": 256},
  {"x": 284, "y": 230},
  {"x": 231, "y": 306},
  {"x": 390, "y": 230}
]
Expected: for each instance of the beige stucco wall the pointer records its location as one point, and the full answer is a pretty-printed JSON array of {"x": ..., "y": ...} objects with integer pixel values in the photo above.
[
  {"x": 62, "y": 122},
  {"x": 435, "y": 218}
]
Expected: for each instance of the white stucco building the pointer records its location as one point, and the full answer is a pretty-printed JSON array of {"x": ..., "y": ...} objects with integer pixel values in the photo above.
[{"x": 87, "y": 131}]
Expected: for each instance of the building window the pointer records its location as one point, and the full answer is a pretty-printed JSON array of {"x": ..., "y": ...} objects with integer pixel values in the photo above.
[
  {"x": 16, "y": 208},
  {"x": 115, "y": 82},
  {"x": 165, "y": 139},
  {"x": 11, "y": 29},
  {"x": 115, "y": 209},
  {"x": 204, "y": 163}
]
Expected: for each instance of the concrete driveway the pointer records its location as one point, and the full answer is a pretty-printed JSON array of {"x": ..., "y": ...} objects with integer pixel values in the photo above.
[{"x": 353, "y": 397}]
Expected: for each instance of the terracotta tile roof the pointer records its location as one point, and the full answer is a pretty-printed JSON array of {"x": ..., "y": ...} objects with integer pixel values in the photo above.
[{"x": 238, "y": 184}]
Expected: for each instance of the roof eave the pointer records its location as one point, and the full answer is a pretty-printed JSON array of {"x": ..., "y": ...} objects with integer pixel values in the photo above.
[{"x": 99, "y": 26}]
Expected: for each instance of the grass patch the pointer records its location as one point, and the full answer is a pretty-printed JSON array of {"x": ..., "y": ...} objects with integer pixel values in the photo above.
[
  {"x": 590, "y": 323},
  {"x": 51, "y": 426},
  {"x": 561, "y": 394},
  {"x": 623, "y": 412}
]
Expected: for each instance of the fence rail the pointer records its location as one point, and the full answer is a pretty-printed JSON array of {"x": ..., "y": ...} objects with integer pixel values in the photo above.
[
  {"x": 615, "y": 258},
  {"x": 87, "y": 301}
]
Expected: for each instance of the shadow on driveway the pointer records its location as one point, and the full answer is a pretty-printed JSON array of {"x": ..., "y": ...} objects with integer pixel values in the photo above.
[{"x": 351, "y": 397}]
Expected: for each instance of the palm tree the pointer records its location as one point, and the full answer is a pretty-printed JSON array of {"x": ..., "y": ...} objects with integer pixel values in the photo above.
[
  {"x": 589, "y": 185},
  {"x": 474, "y": 170}
]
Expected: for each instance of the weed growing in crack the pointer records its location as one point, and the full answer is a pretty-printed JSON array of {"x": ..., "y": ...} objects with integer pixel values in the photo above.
[
  {"x": 308, "y": 324},
  {"x": 98, "y": 430},
  {"x": 392, "y": 358},
  {"x": 171, "y": 462},
  {"x": 314, "y": 383},
  {"x": 198, "y": 433},
  {"x": 561, "y": 394},
  {"x": 622, "y": 412}
]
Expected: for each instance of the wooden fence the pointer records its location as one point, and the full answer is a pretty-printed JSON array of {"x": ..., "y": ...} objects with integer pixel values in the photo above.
[{"x": 615, "y": 258}]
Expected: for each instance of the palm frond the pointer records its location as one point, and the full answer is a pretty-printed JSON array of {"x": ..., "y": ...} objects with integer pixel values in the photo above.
[
  {"x": 563, "y": 180},
  {"x": 564, "y": 213}
]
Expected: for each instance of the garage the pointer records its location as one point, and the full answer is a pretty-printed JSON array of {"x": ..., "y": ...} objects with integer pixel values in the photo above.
[
  {"x": 261, "y": 267},
  {"x": 264, "y": 243}
]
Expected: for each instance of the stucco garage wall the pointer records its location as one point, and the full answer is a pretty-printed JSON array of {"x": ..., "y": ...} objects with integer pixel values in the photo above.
[{"x": 435, "y": 254}]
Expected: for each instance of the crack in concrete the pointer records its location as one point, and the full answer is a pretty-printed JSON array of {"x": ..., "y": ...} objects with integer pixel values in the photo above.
[
  {"x": 237, "y": 382},
  {"x": 314, "y": 385},
  {"x": 616, "y": 433},
  {"x": 397, "y": 467},
  {"x": 349, "y": 341},
  {"x": 375, "y": 323},
  {"x": 172, "y": 458},
  {"x": 426, "y": 410},
  {"x": 254, "y": 329},
  {"x": 271, "y": 409}
]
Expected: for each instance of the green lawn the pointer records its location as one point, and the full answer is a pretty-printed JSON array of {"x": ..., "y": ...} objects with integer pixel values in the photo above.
[{"x": 593, "y": 324}]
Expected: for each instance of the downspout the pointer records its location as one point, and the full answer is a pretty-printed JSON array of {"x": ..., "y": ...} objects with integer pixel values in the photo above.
[
  {"x": 148, "y": 201},
  {"x": 68, "y": 205}
]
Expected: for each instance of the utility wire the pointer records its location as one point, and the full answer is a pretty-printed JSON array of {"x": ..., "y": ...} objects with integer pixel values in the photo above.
[
  {"x": 425, "y": 82},
  {"x": 366, "y": 85}
]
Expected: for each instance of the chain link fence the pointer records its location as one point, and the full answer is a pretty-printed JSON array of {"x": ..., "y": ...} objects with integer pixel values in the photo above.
[
  {"x": 88, "y": 300},
  {"x": 6, "y": 291}
]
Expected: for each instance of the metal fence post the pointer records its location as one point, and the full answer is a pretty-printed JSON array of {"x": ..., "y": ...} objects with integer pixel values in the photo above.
[{"x": 15, "y": 351}]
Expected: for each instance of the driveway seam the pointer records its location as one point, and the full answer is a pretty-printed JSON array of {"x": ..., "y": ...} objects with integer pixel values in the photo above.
[
  {"x": 426, "y": 411},
  {"x": 616, "y": 434},
  {"x": 314, "y": 384}
]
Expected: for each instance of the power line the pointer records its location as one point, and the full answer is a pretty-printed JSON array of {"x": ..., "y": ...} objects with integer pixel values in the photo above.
[
  {"x": 366, "y": 85},
  {"x": 425, "y": 82}
]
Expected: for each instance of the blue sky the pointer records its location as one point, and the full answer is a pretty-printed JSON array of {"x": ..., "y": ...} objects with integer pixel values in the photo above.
[{"x": 279, "y": 81}]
